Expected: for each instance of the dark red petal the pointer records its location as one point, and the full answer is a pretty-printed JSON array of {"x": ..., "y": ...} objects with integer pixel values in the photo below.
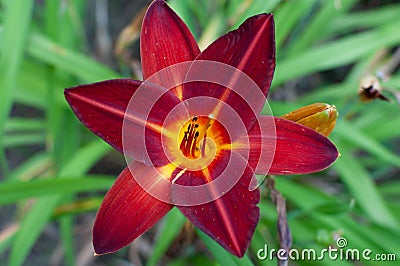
[
  {"x": 250, "y": 50},
  {"x": 299, "y": 150},
  {"x": 232, "y": 218},
  {"x": 127, "y": 212},
  {"x": 103, "y": 106},
  {"x": 165, "y": 40}
]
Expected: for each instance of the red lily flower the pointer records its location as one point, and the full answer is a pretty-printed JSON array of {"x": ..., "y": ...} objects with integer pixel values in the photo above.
[{"x": 194, "y": 132}]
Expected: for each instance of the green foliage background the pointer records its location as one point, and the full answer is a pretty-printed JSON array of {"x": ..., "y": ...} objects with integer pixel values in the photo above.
[{"x": 48, "y": 159}]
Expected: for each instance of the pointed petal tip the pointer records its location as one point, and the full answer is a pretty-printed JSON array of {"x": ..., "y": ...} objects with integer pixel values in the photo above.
[
  {"x": 240, "y": 253},
  {"x": 101, "y": 106},
  {"x": 127, "y": 212},
  {"x": 236, "y": 251},
  {"x": 68, "y": 94},
  {"x": 299, "y": 149},
  {"x": 165, "y": 39},
  {"x": 155, "y": 4},
  {"x": 101, "y": 250},
  {"x": 232, "y": 218},
  {"x": 250, "y": 48}
]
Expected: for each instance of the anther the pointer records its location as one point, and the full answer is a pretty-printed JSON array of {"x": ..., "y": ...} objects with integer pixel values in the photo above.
[{"x": 191, "y": 142}]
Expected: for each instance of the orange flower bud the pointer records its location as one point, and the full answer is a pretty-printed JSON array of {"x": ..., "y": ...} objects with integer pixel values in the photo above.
[{"x": 320, "y": 117}]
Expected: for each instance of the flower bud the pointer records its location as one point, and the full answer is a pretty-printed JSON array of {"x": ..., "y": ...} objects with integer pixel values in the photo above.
[{"x": 320, "y": 117}]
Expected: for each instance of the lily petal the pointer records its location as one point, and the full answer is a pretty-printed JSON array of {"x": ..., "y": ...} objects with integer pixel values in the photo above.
[
  {"x": 238, "y": 68},
  {"x": 113, "y": 107},
  {"x": 232, "y": 218},
  {"x": 250, "y": 48},
  {"x": 101, "y": 106},
  {"x": 165, "y": 40},
  {"x": 299, "y": 150},
  {"x": 127, "y": 212}
]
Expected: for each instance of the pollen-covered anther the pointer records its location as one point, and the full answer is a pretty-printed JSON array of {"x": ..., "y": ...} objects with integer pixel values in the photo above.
[{"x": 190, "y": 143}]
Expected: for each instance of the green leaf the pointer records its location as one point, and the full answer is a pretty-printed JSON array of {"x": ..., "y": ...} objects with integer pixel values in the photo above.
[
  {"x": 39, "y": 215},
  {"x": 31, "y": 167},
  {"x": 334, "y": 208},
  {"x": 23, "y": 139},
  {"x": 8, "y": 233},
  {"x": 66, "y": 225},
  {"x": 352, "y": 134},
  {"x": 14, "y": 191},
  {"x": 336, "y": 53},
  {"x": 319, "y": 23},
  {"x": 31, "y": 225},
  {"x": 305, "y": 198},
  {"x": 69, "y": 61},
  {"x": 390, "y": 189},
  {"x": 31, "y": 85},
  {"x": 214, "y": 29},
  {"x": 287, "y": 16},
  {"x": 383, "y": 131},
  {"x": 13, "y": 40},
  {"x": 172, "y": 226},
  {"x": 365, "y": 19},
  {"x": 24, "y": 124},
  {"x": 181, "y": 7},
  {"x": 360, "y": 183}
]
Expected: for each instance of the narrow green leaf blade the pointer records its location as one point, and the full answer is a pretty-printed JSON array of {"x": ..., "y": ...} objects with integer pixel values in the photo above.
[
  {"x": 173, "y": 224},
  {"x": 360, "y": 183}
]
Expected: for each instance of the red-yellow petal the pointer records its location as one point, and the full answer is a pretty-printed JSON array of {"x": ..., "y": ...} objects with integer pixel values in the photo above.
[
  {"x": 165, "y": 40},
  {"x": 231, "y": 219},
  {"x": 220, "y": 71},
  {"x": 126, "y": 213},
  {"x": 93, "y": 103},
  {"x": 298, "y": 149},
  {"x": 250, "y": 48},
  {"x": 127, "y": 124}
]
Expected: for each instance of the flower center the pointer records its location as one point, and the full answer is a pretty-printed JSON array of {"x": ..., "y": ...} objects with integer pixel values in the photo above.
[
  {"x": 197, "y": 144},
  {"x": 194, "y": 141}
]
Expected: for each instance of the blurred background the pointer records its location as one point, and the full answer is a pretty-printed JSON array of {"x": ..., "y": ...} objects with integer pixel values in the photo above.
[{"x": 54, "y": 172}]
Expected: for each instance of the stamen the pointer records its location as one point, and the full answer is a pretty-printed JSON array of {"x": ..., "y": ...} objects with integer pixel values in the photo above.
[
  {"x": 193, "y": 149},
  {"x": 183, "y": 142},
  {"x": 190, "y": 140},
  {"x": 203, "y": 146}
]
